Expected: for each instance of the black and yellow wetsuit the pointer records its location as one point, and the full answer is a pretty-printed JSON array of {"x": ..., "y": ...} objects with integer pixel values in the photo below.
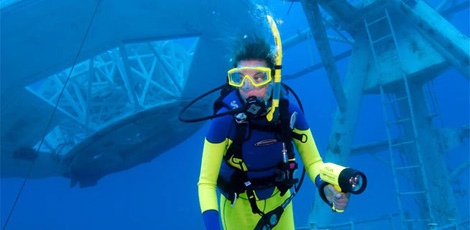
[{"x": 262, "y": 154}]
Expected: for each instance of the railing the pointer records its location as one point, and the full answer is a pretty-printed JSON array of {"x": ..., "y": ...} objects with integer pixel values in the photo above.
[{"x": 351, "y": 225}]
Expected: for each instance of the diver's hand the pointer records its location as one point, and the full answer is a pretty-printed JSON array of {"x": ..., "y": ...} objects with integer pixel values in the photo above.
[{"x": 340, "y": 200}]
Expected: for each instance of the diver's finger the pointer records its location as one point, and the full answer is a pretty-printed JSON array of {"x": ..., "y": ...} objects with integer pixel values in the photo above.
[
  {"x": 332, "y": 191},
  {"x": 341, "y": 196},
  {"x": 335, "y": 194},
  {"x": 346, "y": 196},
  {"x": 340, "y": 206},
  {"x": 329, "y": 192},
  {"x": 342, "y": 202}
]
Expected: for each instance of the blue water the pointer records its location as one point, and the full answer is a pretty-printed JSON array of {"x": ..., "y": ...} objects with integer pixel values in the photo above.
[{"x": 162, "y": 194}]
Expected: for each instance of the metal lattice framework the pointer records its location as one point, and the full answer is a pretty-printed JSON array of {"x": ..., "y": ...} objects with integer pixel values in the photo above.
[
  {"x": 112, "y": 86},
  {"x": 423, "y": 179}
]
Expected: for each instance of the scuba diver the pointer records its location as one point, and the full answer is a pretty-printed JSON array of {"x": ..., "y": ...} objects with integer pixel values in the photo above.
[{"x": 249, "y": 147}]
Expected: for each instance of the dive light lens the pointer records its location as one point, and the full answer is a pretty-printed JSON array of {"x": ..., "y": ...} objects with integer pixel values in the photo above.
[
  {"x": 356, "y": 182},
  {"x": 353, "y": 181}
]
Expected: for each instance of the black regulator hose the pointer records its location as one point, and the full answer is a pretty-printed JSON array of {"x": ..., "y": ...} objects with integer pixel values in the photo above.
[{"x": 233, "y": 111}]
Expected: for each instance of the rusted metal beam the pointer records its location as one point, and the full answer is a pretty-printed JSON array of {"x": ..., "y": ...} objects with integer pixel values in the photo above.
[{"x": 317, "y": 27}]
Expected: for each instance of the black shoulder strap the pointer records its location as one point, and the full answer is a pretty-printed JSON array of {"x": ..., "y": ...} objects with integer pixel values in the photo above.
[
  {"x": 235, "y": 148},
  {"x": 285, "y": 124},
  {"x": 286, "y": 131}
]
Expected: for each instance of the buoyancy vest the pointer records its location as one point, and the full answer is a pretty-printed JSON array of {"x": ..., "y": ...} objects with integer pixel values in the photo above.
[{"x": 281, "y": 175}]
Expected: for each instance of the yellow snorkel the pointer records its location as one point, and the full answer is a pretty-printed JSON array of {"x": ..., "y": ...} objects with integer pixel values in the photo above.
[{"x": 273, "y": 113}]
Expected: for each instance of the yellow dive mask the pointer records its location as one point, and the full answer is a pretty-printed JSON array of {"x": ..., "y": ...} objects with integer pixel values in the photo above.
[{"x": 257, "y": 76}]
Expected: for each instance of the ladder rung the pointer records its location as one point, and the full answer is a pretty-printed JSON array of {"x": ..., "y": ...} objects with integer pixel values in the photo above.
[
  {"x": 382, "y": 38},
  {"x": 396, "y": 100},
  {"x": 377, "y": 20},
  {"x": 387, "y": 57},
  {"x": 403, "y": 143},
  {"x": 417, "y": 220},
  {"x": 400, "y": 121},
  {"x": 407, "y": 167},
  {"x": 411, "y": 193}
]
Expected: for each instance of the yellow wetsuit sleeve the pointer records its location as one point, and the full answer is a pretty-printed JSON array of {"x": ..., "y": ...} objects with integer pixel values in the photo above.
[
  {"x": 210, "y": 166},
  {"x": 309, "y": 153}
]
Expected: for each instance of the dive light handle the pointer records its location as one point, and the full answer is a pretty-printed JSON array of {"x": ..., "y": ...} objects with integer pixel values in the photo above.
[
  {"x": 333, "y": 207},
  {"x": 321, "y": 192}
]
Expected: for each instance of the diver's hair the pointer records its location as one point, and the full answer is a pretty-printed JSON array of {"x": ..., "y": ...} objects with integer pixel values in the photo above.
[{"x": 253, "y": 48}]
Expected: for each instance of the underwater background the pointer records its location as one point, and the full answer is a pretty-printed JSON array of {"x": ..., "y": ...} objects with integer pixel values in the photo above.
[{"x": 162, "y": 194}]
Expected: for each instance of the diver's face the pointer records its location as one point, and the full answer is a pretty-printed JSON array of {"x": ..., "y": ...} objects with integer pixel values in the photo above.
[{"x": 248, "y": 90}]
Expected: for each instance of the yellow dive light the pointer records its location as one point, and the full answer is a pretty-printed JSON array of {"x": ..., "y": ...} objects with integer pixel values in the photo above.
[
  {"x": 273, "y": 113},
  {"x": 344, "y": 179}
]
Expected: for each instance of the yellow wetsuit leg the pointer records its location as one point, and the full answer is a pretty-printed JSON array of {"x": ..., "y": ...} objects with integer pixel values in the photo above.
[{"x": 240, "y": 216}]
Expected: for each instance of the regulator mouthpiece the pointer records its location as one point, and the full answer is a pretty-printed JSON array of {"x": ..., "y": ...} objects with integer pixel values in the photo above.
[{"x": 254, "y": 108}]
